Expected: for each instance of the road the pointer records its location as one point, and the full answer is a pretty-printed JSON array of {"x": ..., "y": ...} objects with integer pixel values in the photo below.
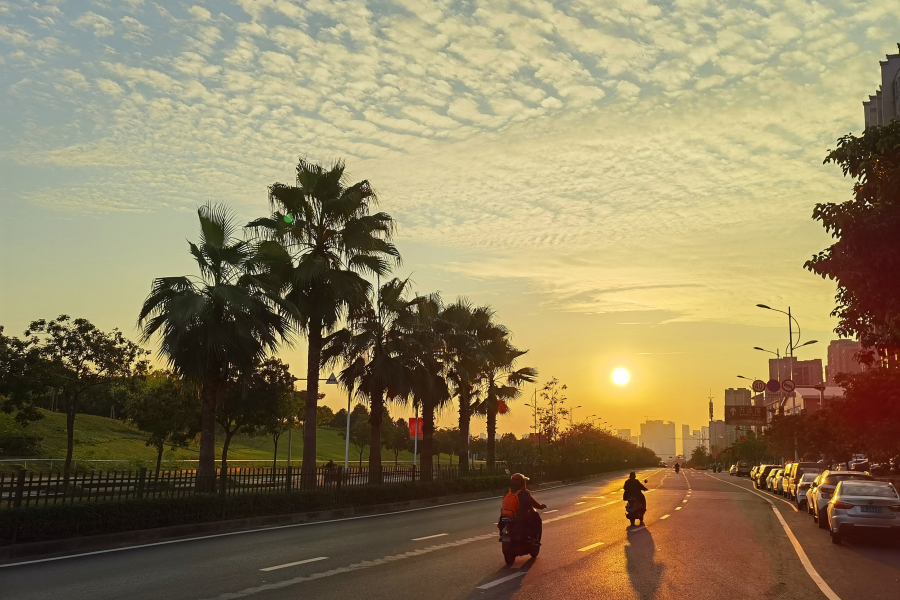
[{"x": 706, "y": 537}]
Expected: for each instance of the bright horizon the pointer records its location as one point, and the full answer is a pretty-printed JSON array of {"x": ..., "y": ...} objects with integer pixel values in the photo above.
[{"x": 622, "y": 183}]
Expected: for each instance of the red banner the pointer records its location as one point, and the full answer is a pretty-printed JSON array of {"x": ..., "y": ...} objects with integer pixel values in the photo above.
[
  {"x": 534, "y": 437},
  {"x": 412, "y": 428}
]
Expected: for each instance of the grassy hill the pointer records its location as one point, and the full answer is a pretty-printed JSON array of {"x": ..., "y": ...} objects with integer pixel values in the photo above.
[{"x": 100, "y": 438}]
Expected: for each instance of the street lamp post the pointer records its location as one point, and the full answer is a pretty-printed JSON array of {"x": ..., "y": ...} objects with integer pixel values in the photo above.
[{"x": 572, "y": 414}]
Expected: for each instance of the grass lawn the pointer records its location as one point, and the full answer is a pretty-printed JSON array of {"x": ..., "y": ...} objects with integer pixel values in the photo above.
[{"x": 100, "y": 438}]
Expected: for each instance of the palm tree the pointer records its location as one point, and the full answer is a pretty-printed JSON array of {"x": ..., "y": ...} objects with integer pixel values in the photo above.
[
  {"x": 502, "y": 381},
  {"x": 320, "y": 241},
  {"x": 214, "y": 325},
  {"x": 381, "y": 338}
]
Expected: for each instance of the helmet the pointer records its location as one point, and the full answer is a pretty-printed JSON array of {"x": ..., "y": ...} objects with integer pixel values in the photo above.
[{"x": 518, "y": 479}]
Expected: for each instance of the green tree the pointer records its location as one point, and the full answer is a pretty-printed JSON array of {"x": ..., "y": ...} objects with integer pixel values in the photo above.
[
  {"x": 78, "y": 357},
  {"x": 252, "y": 402},
  {"x": 167, "y": 409},
  {"x": 324, "y": 415},
  {"x": 359, "y": 436},
  {"x": 864, "y": 261},
  {"x": 320, "y": 241},
  {"x": 395, "y": 437},
  {"x": 23, "y": 376},
  {"x": 288, "y": 405},
  {"x": 216, "y": 326}
]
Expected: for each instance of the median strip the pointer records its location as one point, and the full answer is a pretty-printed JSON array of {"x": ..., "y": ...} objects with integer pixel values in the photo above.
[{"x": 294, "y": 564}]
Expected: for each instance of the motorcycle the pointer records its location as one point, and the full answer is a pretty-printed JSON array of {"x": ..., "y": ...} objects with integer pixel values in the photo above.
[
  {"x": 635, "y": 509},
  {"x": 517, "y": 539},
  {"x": 677, "y": 468}
]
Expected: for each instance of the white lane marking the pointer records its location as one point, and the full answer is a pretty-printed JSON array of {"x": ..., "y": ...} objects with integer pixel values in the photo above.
[
  {"x": 586, "y": 548},
  {"x": 294, "y": 564},
  {"x": 684, "y": 501},
  {"x": 276, "y": 527},
  {"x": 429, "y": 537},
  {"x": 611, "y": 502},
  {"x": 664, "y": 517},
  {"x": 547, "y": 512},
  {"x": 801, "y": 554},
  {"x": 639, "y": 528},
  {"x": 578, "y": 503},
  {"x": 677, "y": 508},
  {"x": 758, "y": 494},
  {"x": 488, "y": 586}
]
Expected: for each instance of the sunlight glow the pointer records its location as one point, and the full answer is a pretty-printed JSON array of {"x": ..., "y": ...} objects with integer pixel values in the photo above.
[{"x": 620, "y": 376}]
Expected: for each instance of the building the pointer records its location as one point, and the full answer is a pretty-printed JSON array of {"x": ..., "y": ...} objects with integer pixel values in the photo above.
[
  {"x": 884, "y": 106},
  {"x": 841, "y": 359},
  {"x": 624, "y": 434},
  {"x": 689, "y": 441},
  {"x": 737, "y": 397},
  {"x": 811, "y": 399},
  {"x": 659, "y": 436},
  {"x": 704, "y": 436},
  {"x": 636, "y": 440},
  {"x": 718, "y": 436},
  {"x": 804, "y": 373}
]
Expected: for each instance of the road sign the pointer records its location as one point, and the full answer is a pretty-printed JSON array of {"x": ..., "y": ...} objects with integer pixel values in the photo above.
[
  {"x": 773, "y": 386},
  {"x": 745, "y": 415},
  {"x": 788, "y": 386},
  {"x": 759, "y": 386},
  {"x": 332, "y": 380},
  {"x": 415, "y": 427}
]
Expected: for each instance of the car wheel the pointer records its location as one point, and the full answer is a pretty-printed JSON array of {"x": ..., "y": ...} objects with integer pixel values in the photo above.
[
  {"x": 809, "y": 509},
  {"x": 823, "y": 523},
  {"x": 835, "y": 537},
  {"x": 510, "y": 558}
]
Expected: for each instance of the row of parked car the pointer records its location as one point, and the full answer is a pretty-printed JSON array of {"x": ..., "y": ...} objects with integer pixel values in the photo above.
[{"x": 846, "y": 502}]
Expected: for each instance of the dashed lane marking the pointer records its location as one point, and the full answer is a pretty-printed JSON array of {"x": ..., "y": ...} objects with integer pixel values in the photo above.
[
  {"x": 547, "y": 512},
  {"x": 678, "y": 508},
  {"x": 664, "y": 517},
  {"x": 586, "y": 548},
  {"x": 491, "y": 584},
  {"x": 638, "y": 528},
  {"x": 294, "y": 564},
  {"x": 578, "y": 503},
  {"x": 430, "y": 537}
]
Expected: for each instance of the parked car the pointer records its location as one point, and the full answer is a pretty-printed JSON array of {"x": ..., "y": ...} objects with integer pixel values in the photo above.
[
  {"x": 811, "y": 494},
  {"x": 743, "y": 469},
  {"x": 780, "y": 480},
  {"x": 762, "y": 474},
  {"x": 803, "y": 485},
  {"x": 797, "y": 470},
  {"x": 860, "y": 466},
  {"x": 824, "y": 491},
  {"x": 770, "y": 480},
  {"x": 733, "y": 470},
  {"x": 753, "y": 472},
  {"x": 864, "y": 507}
]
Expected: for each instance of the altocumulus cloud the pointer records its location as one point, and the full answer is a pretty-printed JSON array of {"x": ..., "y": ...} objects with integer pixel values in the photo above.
[{"x": 551, "y": 139}]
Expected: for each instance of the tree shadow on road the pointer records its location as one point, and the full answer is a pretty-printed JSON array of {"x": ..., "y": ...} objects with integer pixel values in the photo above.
[
  {"x": 504, "y": 590},
  {"x": 645, "y": 574}
]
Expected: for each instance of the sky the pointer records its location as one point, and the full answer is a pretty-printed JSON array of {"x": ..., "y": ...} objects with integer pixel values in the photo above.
[{"x": 621, "y": 180}]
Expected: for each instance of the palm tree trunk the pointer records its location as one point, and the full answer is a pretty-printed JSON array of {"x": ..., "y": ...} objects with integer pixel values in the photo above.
[
  {"x": 159, "y": 453},
  {"x": 206, "y": 466},
  {"x": 314, "y": 358},
  {"x": 71, "y": 404},
  {"x": 224, "y": 472},
  {"x": 377, "y": 401},
  {"x": 491, "y": 436},
  {"x": 464, "y": 419},
  {"x": 427, "y": 446}
]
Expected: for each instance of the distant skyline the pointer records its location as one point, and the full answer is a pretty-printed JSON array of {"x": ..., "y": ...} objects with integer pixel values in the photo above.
[{"x": 622, "y": 181}]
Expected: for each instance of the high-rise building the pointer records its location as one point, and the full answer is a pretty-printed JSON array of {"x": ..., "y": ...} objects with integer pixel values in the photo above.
[
  {"x": 689, "y": 441},
  {"x": 718, "y": 436},
  {"x": 884, "y": 106},
  {"x": 659, "y": 436},
  {"x": 625, "y": 434},
  {"x": 636, "y": 440},
  {"x": 737, "y": 397},
  {"x": 704, "y": 436},
  {"x": 841, "y": 359}
]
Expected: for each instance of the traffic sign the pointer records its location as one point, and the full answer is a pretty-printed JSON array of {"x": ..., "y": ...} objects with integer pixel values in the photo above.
[
  {"x": 773, "y": 385},
  {"x": 788, "y": 386},
  {"x": 745, "y": 415},
  {"x": 415, "y": 428},
  {"x": 759, "y": 386},
  {"x": 332, "y": 380}
]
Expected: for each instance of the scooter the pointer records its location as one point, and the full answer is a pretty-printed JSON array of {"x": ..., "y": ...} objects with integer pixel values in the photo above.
[
  {"x": 635, "y": 509},
  {"x": 517, "y": 540}
]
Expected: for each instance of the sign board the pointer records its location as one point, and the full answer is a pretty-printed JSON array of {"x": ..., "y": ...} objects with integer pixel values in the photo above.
[
  {"x": 714, "y": 453},
  {"x": 759, "y": 386},
  {"x": 788, "y": 386},
  {"x": 534, "y": 437},
  {"x": 745, "y": 415},
  {"x": 332, "y": 380},
  {"x": 415, "y": 427},
  {"x": 773, "y": 386}
]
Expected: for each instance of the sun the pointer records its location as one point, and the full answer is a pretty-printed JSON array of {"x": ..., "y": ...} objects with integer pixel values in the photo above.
[{"x": 621, "y": 376}]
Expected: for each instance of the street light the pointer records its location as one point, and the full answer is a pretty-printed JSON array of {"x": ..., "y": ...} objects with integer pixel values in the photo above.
[{"x": 572, "y": 414}]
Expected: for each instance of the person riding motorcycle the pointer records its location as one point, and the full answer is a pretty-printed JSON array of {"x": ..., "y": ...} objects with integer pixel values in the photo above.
[
  {"x": 677, "y": 467},
  {"x": 520, "y": 504},
  {"x": 634, "y": 495}
]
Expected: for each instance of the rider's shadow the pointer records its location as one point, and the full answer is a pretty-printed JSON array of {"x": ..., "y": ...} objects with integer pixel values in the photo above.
[
  {"x": 645, "y": 574},
  {"x": 502, "y": 584}
]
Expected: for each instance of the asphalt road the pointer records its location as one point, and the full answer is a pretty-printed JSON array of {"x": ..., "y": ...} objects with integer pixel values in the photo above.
[{"x": 706, "y": 537}]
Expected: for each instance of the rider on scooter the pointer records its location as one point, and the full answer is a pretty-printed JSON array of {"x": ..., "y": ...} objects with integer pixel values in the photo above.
[
  {"x": 634, "y": 495},
  {"x": 520, "y": 504}
]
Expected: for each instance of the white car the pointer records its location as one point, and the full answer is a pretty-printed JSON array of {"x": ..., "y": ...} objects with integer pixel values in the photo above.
[
  {"x": 778, "y": 483},
  {"x": 864, "y": 506},
  {"x": 811, "y": 494},
  {"x": 770, "y": 480},
  {"x": 827, "y": 481},
  {"x": 803, "y": 485}
]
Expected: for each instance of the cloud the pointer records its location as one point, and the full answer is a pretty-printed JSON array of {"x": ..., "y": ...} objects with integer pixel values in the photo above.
[
  {"x": 101, "y": 26},
  {"x": 200, "y": 13}
]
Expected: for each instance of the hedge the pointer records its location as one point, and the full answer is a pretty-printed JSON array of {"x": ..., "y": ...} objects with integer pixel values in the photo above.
[{"x": 64, "y": 521}]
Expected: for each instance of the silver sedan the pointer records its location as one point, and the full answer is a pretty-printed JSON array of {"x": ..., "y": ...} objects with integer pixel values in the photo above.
[{"x": 864, "y": 507}]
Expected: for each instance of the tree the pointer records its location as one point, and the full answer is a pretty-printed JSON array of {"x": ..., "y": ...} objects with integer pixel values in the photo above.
[
  {"x": 167, "y": 409},
  {"x": 320, "y": 241},
  {"x": 79, "y": 357},
  {"x": 287, "y": 406},
  {"x": 359, "y": 436},
  {"x": 699, "y": 457},
  {"x": 23, "y": 374},
  {"x": 395, "y": 437},
  {"x": 252, "y": 401},
  {"x": 865, "y": 259},
  {"x": 376, "y": 347},
  {"x": 324, "y": 414},
  {"x": 216, "y": 326},
  {"x": 550, "y": 418}
]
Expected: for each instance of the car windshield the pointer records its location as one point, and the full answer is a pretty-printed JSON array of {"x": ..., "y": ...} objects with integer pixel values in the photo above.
[
  {"x": 808, "y": 477},
  {"x": 868, "y": 489},
  {"x": 835, "y": 479}
]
